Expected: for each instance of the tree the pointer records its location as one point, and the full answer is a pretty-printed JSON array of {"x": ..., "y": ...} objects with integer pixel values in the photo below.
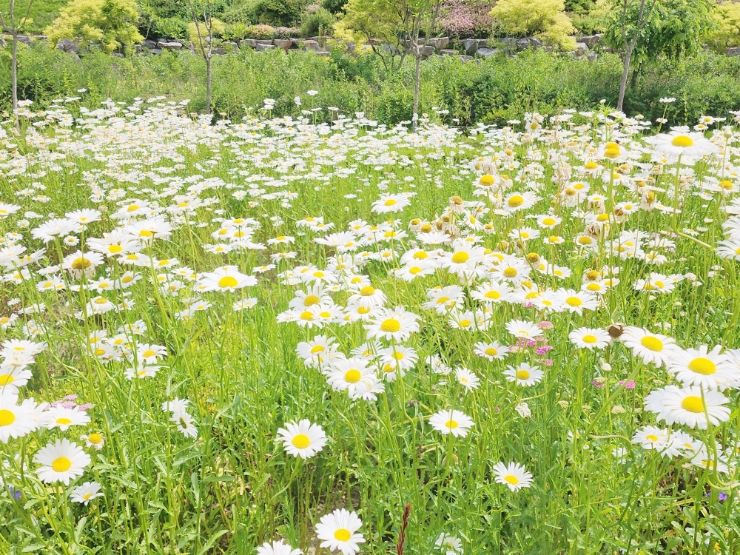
[
  {"x": 108, "y": 24},
  {"x": 647, "y": 29},
  {"x": 544, "y": 19},
  {"x": 203, "y": 29},
  {"x": 393, "y": 28},
  {"x": 14, "y": 26}
]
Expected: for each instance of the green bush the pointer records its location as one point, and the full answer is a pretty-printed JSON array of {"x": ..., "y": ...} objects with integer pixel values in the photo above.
[
  {"x": 261, "y": 31},
  {"x": 545, "y": 19},
  {"x": 334, "y": 6},
  {"x": 279, "y": 12},
  {"x": 109, "y": 24},
  {"x": 317, "y": 22},
  {"x": 495, "y": 90}
]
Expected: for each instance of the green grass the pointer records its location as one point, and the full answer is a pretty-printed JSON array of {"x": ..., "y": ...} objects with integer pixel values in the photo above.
[{"x": 234, "y": 487}]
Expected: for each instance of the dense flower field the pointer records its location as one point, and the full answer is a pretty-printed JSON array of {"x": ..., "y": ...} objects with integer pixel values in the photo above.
[{"x": 272, "y": 336}]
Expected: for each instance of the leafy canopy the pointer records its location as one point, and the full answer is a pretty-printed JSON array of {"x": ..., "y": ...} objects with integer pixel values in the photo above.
[
  {"x": 671, "y": 28},
  {"x": 109, "y": 24}
]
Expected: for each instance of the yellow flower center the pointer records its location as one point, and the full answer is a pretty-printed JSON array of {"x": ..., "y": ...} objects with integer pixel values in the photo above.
[
  {"x": 390, "y": 202},
  {"x": 491, "y": 351},
  {"x": 651, "y": 437},
  {"x": 492, "y": 294},
  {"x": 487, "y": 180},
  {"x": 114, "y": 249},
  {"x": 511, "y": 479},
  {"x": 702, "y": 365},
  {"x": 693, "y": 403},
  {"x": 573, "y": 301},
  {"x": 227, "y": 281},
  {"x": 548, "y": 221},
  {"x": 95, "y": 438},
  {"x": 682, "y": 141},
  {"x": 81, "y": 263},
  {"x": 652, "y": 343},
  {"x": 522, "y": 374},
  {"x": 6, "y": 379},
  {"x": 342, "y": 534},
  {"x": 61, "y": 464},
  {"x": 311, "y": 300},
  {"x": 391, "y": 325},
  {"x": 64, "y": 421},
  {"x": 306, "y": 315},
  {"x": 317, "y": 349},
  {"x": 516, "y": 200},
  {"x": 452, "y": 424},
  {"x": 460, "y": 257},
  {"x": 6, "y": 417},
  {"x": 301, "y": 441},
  {"x": 352, "y": 376},
  {"x": 510, "y": 272},
  {"x": 367, "y": 291}
]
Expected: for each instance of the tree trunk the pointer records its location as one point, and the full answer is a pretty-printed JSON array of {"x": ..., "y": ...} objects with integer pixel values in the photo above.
[
  {"x": 14, "y": 79},
  {"x": 209, "y": 84},
  {"x": 417, "y": 86},
  {"x": 625, "y": 75},
  {"x": 14, "y": 64}
]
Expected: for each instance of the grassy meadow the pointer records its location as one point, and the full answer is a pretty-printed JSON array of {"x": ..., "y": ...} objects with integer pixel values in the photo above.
[{"x": 218, "y": 337}]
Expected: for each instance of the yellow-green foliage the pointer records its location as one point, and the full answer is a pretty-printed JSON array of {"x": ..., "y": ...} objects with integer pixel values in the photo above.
[
  {"x": 109, "y": 24},
  {"x": 544, "y": 19},
  {"x": 725, "y": 29},
  {"x": 199, "y": 33}
]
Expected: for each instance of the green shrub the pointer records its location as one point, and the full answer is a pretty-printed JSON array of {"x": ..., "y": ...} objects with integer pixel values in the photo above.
[
  {"x": 317, "y": 22},
  {"x": 334, "y": 6},
  {"x": 495, "y": 90},
  {"x": 544, "y": 19},
  {"x": 261, "y": 31},
  {"x": 109, "y": 24},
  {"x": 236, "y": 31},
  {"x": 725, "y": 29},
  {"x": 279, "y": 12}
]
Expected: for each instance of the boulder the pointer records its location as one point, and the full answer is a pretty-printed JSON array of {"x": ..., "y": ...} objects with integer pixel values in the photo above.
[
  {"x": 25, "y": 39},
  {"x": 486, "y": 52},
  {"x": 448, "y": 52},
  {"x": 310, "y": 44},
  {"x": 169, "y": 44},
  {"x": 590, "y": 40},
  {"x": 523, "y": 43},
  {"x": 149, "y": 43},
  {"x": 247, "y": 43},
  {"x": 285, "y": 44},
  {"x": 262, "y": 47},
  {"x": 581, "y": 48},
  {"x": 321, "y": 52},
  {"x": 733, "y": 51},
  {"x": 230, "y": 45},
  {"x": 426, "y": 51},
  {"x": 66, "y": 45},
  {"x": 466, "y": 58},
  {"x": 263, "y": 41},
  {"x": 471, "y": 45},
  {"x": 438, "y": 43}
]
